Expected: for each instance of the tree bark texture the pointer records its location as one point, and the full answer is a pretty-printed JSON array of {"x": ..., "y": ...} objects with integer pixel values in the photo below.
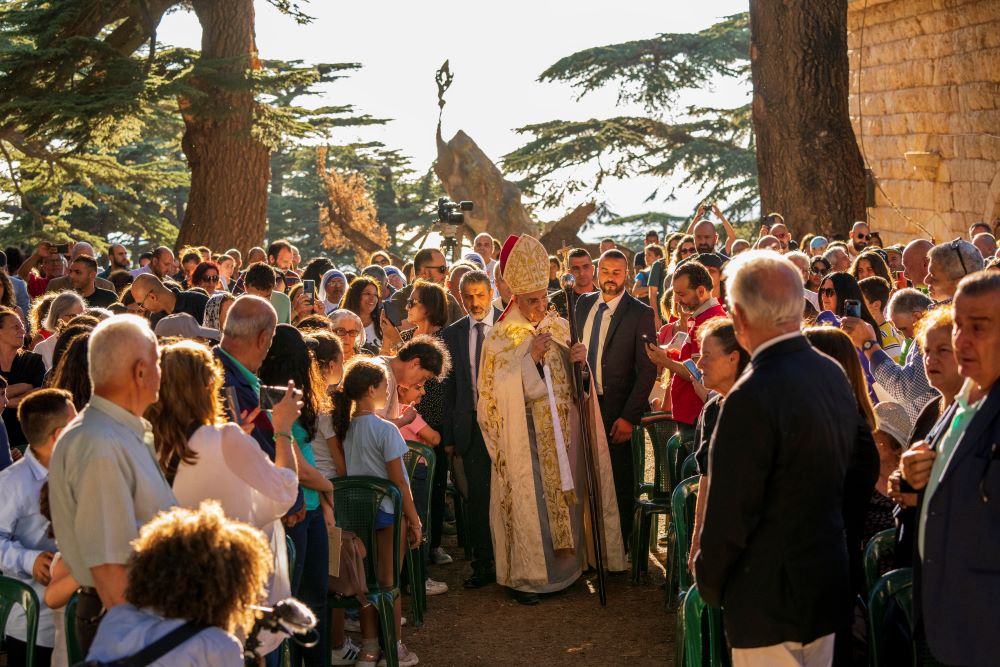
[
  {"x": 808, "y": 163},
  {"x": 227, "y": 204}
]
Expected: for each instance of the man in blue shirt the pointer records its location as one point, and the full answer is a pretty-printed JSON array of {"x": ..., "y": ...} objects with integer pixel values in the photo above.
[{"x": 26, "y": 547}]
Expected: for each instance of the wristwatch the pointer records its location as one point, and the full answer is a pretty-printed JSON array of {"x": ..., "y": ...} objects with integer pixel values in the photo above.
[{"x": 869, "y": 344}]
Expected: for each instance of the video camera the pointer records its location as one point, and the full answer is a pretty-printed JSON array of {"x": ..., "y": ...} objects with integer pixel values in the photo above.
[{"x": 450, "y": 216}]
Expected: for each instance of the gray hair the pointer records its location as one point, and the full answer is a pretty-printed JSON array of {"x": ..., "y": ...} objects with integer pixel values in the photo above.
[
  {"x": 341, "y": 314},
  {"x": 474, "y": 277},
  {"x": 833, "y": 252},
  {"x": 248, "y": 317},
  {"x": 82, "y": 248},
  {"x": 60, "y": 306},
  {"x": 115, "y": 345},
  {"x": 798, "y": 254},
  {"x": 767, "y": 287},
  {"x": 957, "y": 258},
  {"x": 907, "y": 301}
]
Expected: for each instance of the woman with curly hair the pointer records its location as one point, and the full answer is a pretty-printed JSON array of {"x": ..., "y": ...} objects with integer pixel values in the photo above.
[
  {"x": 870, "y": 263},
  {"x": 232, "y": 561},
  {"x": 72, "y": 373}
]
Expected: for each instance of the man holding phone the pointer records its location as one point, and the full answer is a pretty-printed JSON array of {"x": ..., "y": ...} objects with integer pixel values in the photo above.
[
  {"x": 50, "y": 264},
  {"x": 693, "y": 293}
]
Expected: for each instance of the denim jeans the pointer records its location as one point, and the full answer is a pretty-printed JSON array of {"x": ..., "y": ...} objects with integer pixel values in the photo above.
[{"x": 309, "y": 583}]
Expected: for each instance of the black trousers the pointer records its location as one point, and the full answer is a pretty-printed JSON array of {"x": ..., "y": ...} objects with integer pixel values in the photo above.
[
  {"x": 623, "y": 473},
  {"x": 89, "y": 612},
  {"x": 17, "y": 654},
  {"x": 478, "y": 470}
]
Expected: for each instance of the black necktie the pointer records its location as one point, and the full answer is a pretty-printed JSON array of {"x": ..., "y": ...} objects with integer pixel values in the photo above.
[{"x": 480, "y": 336}]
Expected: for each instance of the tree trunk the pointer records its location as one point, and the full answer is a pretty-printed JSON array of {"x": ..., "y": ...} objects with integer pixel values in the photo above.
[
  {"x": 808, "y": 163},
  {"x": 227, "y": 204}
]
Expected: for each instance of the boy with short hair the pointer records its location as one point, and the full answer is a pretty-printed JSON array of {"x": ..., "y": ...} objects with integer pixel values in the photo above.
[
  {"x": 26, "y": 548},
  {"x": 875, "y": 291}
]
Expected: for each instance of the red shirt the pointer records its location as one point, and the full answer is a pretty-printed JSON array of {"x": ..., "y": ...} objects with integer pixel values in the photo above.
[
  {"x": 36, "y": 285},
  {"x": 684, "y": 402}
]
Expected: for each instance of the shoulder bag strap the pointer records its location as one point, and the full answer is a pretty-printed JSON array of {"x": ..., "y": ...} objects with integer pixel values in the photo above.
[{"x": 161, "y": 646}]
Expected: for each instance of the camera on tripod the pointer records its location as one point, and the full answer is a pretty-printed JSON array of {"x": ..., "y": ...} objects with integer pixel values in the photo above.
[{"x": 450, "y": 216}]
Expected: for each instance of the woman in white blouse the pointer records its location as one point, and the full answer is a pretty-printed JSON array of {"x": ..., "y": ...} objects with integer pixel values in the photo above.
[{"x": 204, "y": 456}]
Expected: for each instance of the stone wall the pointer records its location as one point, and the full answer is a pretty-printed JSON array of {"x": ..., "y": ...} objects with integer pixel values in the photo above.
[{"x": 929, "y": 110}]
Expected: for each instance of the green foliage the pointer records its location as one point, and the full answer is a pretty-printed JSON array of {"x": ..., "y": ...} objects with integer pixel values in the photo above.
[{"x": 712, "y": 147}]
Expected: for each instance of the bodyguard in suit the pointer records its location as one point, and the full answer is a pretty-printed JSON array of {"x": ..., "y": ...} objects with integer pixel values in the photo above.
[
  {"x": 957, "y": 564},
  {"x": 773, "y": 553},
  {"x": 611, "y": 325},
  {"x": 464, "y": 340}
]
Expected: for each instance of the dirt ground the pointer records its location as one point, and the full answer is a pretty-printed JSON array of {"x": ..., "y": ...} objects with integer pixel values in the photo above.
[{"x": 487, "y": 627}]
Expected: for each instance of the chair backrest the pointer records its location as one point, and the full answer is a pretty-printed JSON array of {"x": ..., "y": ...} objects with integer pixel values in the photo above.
[
  {"x": 14, "y": 592},
  {"x": 669, "y": 468},
  {"x": 698, "y": 618},
  {"x": 659, "y": 428},
  {"x": 897, "y": 585},
  {"x": 356, "y": 501},
  {"x": 690, "y": 466},
  {"x": 683, "y": 502},
  {"x": 417, "y": 452},
  {"x": 879, "y": 548},
  {"x": 73, "y": 650}
]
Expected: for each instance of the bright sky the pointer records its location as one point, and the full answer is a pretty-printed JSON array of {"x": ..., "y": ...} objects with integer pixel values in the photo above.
[{"x": 496, "y": 51}]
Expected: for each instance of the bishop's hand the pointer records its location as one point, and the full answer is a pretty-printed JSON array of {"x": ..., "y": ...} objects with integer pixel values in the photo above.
[{"x": 539, "y": 346}]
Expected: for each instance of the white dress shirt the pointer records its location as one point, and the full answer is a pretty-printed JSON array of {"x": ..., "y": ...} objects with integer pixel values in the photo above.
[
  {"x": 488, "y": 321},
  {"x": 588, "y": 325}
]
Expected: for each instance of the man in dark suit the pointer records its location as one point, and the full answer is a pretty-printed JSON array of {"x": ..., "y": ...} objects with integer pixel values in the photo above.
[
  {"x": 611, "y": 325},
  {"x": 464, "y": 340},
  {"x": 773, "y": 553},
  {"x": 957, "y": 564}
]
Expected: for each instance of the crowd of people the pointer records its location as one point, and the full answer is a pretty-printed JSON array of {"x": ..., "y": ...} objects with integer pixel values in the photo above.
[{"x": 829, "y": 388}]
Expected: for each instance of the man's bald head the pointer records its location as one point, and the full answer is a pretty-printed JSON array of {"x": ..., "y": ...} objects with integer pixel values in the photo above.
[
  {"x": 249, "y": 316},
  {"x": 145, "y": 283},
  {"x": 82, "y": 248},
  {"x": 705, "y": 236},
  {"x": 986, "y": 244},
  {"x": 915, "y": 260}
]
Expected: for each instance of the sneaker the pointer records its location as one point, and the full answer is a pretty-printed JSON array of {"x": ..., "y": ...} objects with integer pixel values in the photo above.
[
  {"x": 346, "y": 654},
  {"x": 440, "y": 557},
  {"x": 407, "y": 658},
  {"x": 352, "y": 625},
  {"x": 366, "y": 659},
  {"x": 435, "y": 588}
]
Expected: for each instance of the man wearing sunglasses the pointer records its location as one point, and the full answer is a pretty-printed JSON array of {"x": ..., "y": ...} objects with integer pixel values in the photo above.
[
  {"x": 861, "y": 234},
  {"x": 430, "y": 265}
]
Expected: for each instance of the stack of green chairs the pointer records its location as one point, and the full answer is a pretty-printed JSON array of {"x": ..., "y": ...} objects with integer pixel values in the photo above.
[
  {"x": 690, "y": 467},
  {"x": 683, "y": 502},
  {"x": 694, "y": 620},
  {"x": 356, "y": 501},
  {"x": 14, "y": 592},
  {"x": 652, "y": 498},
  {"x": 416, "y": 569},
  {"x": 73, "y": 651},
  {"x": 878, "y": 550},
  {"x": 898, "y": 585}
]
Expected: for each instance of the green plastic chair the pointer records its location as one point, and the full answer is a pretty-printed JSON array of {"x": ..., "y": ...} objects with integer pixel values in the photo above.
[
  {"x": 690, "y": 467},
  {"x": 879, "y": 548},
  {"x": 652, "y": 498},
  {"x": 683, "y": 502},
  {"x": 14, "y": 592},
  {"x": 73, "y": 650},
  {"x": 679, "y": 631},
  {"x": 461, "y": 520},
  {"x": 898, "y": 585},
  {"x": 416, "y": 569},
  {"x": 356, "y": 502},
  {"x": 699, "y": 617}
]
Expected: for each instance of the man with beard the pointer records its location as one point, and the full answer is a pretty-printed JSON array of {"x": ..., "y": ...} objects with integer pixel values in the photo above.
[
  {"x": 530, "y": 425},
  {"x": 461, "y": 433},
  {"x": 860, "y": 236},
  {"x": 613, "y": 328},
  {"x": 117, "y": 261},
  {"x": 581, "y": 266},
  {"x": 693, "y": 295}
]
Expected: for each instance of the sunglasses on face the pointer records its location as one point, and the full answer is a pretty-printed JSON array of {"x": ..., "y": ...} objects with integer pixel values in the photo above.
[
  {"x": 828, "y": 292},
  {"x": 819, "y": 269},
  {"x": 410, "y": 303},
  {"x": 863, "y": 237},
  {"x": 688, "y": 251},
  {"x": 442, "y": 268},
  {"x": 210, "y": 279},
  {"x": 346, "y": 332}
]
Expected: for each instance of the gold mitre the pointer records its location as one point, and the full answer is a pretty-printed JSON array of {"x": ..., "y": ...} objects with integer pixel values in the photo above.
[{"x": 524, "y": 264}]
